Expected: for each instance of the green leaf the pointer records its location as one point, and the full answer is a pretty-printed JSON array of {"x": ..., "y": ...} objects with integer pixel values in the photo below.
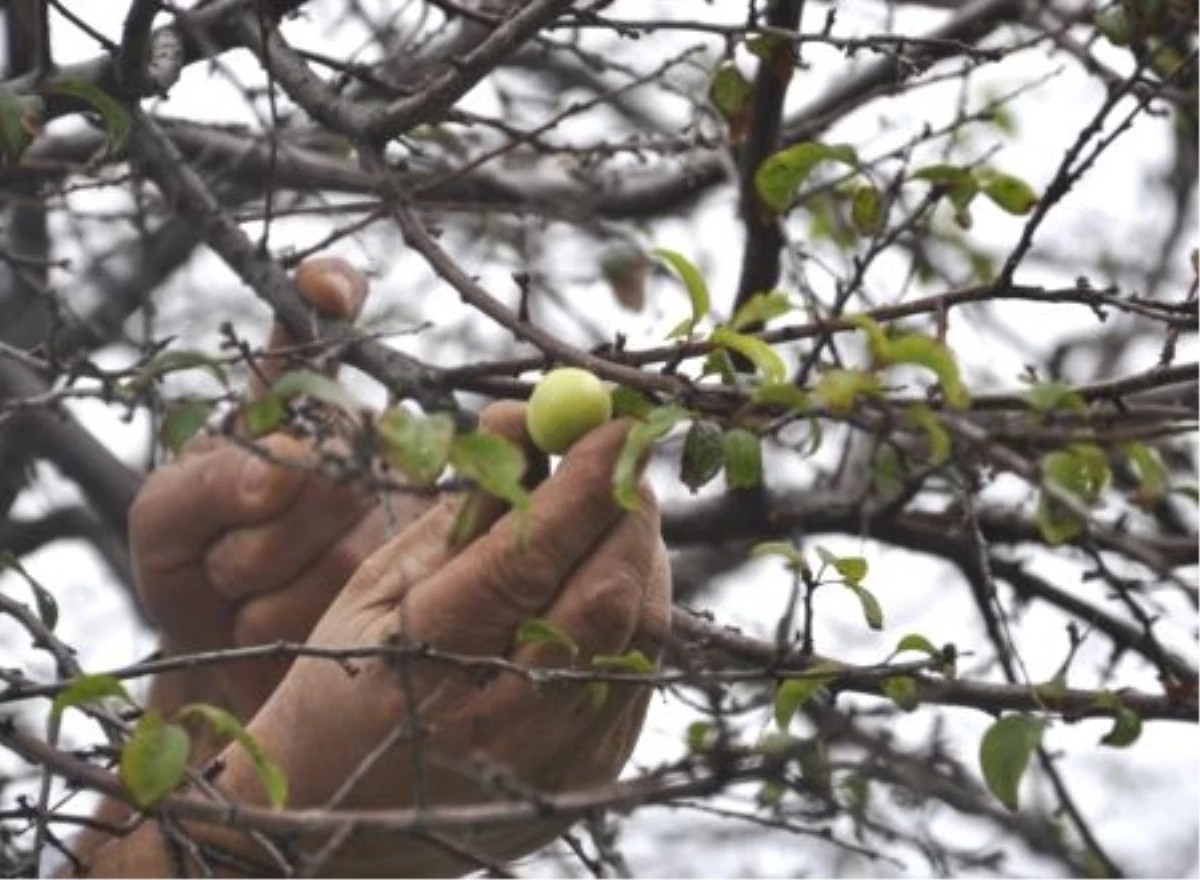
[
  {"x": 1047, "y": 397},
  {"x": 1081, "y": 468},
  {"x": 154, "y": 759},
  {"x": 495, "y": 463},
  {"x": 175, "y": 361},
  {"x": 1127, "y": 724},
  {"x": 1114, "y": 23},
  {"x": 872, "y": 613},
  {"x": 1153, "y": 481},
  {"x": 901, "y": 690},
  {"x": 743, "y": 459},
  {"x": 112, "y": 113},
  {"x": 183, "y": 421},
  {"x": 958, "y": 183},
  {"x": 317, "y": 386},
  {"x": 769, "y": 364},
  {"x": 877, "y": 339},
  {"x": 1056, "y": 523},
  {"x": 781, "y": 175},
  {"x": 87, "y": 689},
  {"x": 939, "y": 438},
  {"x": 264, "y": 415},
  {"x": 693, "y": 282},
  {"x": 761, "y": 309},
  {"x": 1004, "y": 754},
  {"x": 918, "y": 642},
  {"x": 700, "y": 736},
  {"x": 794, "y": 693},
  {"x": 839, "y": 390},
  {"x": 43, "y": 599},
  {"x": 419, "y": 446},
  {"x": 1011, "y": 193},
  {"x": 632, "y": 661},
  {"x": 629, "y": 403},
  {"x": 19, "y": 123},
  {"x": 598, "y": 693},
  {"x": 538, "y": 630},
  {"x": 789, "y": 551},
  {"x": 274, "y": 781},
  {"x": 703, "y": 454},
  {"x": 852, "y": 568},
  {"x": 866, "y": 210},
  {"x": 641, "y": 438},
  {"x": 927, "y": 352},
  {"x": 730, "y": 91},
  {"x": 782, "y": 394}
]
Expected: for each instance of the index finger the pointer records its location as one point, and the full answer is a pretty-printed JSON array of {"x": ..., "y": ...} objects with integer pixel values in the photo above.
[{"x": 331, "y": 286}]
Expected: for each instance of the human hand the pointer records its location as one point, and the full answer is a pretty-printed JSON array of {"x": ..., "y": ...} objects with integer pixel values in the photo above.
[
  {"x": 597, "y": 572},
  {"x": 232, "y": 551}
]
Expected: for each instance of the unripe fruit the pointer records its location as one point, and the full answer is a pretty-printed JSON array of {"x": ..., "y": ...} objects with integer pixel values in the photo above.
[{"x": 566, "y": 404}]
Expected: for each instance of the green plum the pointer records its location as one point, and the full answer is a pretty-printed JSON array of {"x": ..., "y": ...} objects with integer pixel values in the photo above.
[{"x": 566, "y": 404}]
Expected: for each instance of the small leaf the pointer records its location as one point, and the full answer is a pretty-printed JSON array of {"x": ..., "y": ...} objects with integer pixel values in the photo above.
[
  {"x": 154, "y": 759},
  {"x": 175, "y": 361},
  {"x": 419, "y": 446},
  {"x": 264, "y": 415},
  {"x": 693, "y": 282},
  {"x": 761, "y": 309},
  {"x": 274, "y": 780},
  {"x": 917, "y": 642},
  {"x": 769, "y": 364},
  {"x": 598, "y": 693},
  {"x": 783, "y": 394},
  {"x": 789, "y": 551},
  {"x": 19, "y": 124},
  {"x": 839, "y": 390},
  {"x": 625, "y": 270},
  {"x": 703, "y": 454},
  {"x": 730, "y": 93},
  {"x": 1153, "y": 481},
  {"x": 1047, "y": 397},
  {"x": 866, "y": 210},
  {"x": 939, "y": 438},
  {"x": 872, "y": 613},
  {"x": 632, "y": 661},
  {"x": 1126, "y": 729},
  {"x": 924, "y": 351},
  {"x": 901, "y": 690},
  {"x": 1004, "y": 754},
  {"x": 781, "y": 175},
  {"x": 1056, "y": 523},
  {"x": 112, "y": 113},
  {"x": 852, "y": 568},
  {"x": 743, "y": 459},
  {"x": 1011, "y": 193},
  {"x": 183, "y": 421},
  {"x": 641, "y": 438},
  {"x": 538, "y": 630},
  {"x": 495, "y": 463},
  {"x": 317, "y": 386},
  {"x": 794, "y": 693},
  {"x": 699, "y": 736},
  {"x": 43, "y": 599},
  {"x": 959, "y": 185},
  {"x": 629, "y": 403},
  {"x": 87, "y": 689},
  {"x": 1081, "y": 468}
]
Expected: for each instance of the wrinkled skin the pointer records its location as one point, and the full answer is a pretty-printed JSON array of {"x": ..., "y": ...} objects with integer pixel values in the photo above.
[{"x": 232, "y": 552}]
